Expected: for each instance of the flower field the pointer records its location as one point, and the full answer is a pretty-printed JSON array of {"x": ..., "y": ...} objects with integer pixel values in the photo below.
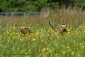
[{"x": 43, "y": 42}]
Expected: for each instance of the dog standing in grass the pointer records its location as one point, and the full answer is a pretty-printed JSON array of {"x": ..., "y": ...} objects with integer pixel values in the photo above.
[
  {"x": 25, "y": 30},
  {"x": 62, "y": 28}
]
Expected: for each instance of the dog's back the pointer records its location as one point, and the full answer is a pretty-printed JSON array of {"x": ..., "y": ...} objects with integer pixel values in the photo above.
[{"x": 23, "y": 30}]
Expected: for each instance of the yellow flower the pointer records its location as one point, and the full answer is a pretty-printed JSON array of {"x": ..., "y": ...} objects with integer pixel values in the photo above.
[
  {"x": 82, "y": 47},
  {"x": 14, "y": 52},
  {"x": 37, "y": 34},
  {"x": 47, "y": 48},
  {"x": 56, "y": 54},
  {"x": 27, "y": 56},
  {"x": 75, "y": 48},
  {"x": 50, "y": 51},
  {"x": 84, "y": 31},
  {"x": 73, "y": 53},
  {"x": 53, "y": 49},
  {"x": 5, "y": 46},
  {"x": 21, "y": 39},
  {"x": 68, "y": 50},
  {"x": 67, "y": 47},
  {"x": 43, "y": 49},
  {"x": 16, "y": 33},
  {"x": 80, "y": 44},
  {"x": 14, "y": 27},
  {"x": 68, "y": 33},
  {"x": 62, "y": 45},
  {"x": 42, "y": 40},
  {"x": 64, "y": 52},
  {"x": 79, "y": 55},
  {"x": 33, "y": 39}
]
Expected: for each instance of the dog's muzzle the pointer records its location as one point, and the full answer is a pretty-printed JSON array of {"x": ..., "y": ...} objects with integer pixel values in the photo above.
[{"x": 64, "y": 30}]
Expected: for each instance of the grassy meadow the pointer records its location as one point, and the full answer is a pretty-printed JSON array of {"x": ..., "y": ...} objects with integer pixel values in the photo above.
[{"x": 44, "y": 41}]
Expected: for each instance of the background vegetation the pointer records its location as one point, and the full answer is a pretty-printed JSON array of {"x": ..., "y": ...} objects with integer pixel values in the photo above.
[
  {"x": 44, "y": 42},
  {"x": 37, "y": 5}
]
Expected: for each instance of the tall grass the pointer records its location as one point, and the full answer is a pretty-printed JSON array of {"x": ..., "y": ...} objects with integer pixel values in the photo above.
[{"x": 44, "y": 42}]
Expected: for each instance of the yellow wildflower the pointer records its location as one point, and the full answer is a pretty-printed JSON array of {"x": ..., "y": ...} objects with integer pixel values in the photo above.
[
  {"x": 33, "y": 39},
  {"x": 73, "y": 53},
  {"x": 50, "y": 50},
  {"x": 21, "y": 39},
  {"x": 27, "y": 56},
  {"x": 67, "y": 47},
  {"x": 56, "y": 55},
  {"x": 79, "y": 55},
  {"x": 43, "y": 49},
  {"x": 82, "y": 47},
  {"x": 64, "y": 52}
]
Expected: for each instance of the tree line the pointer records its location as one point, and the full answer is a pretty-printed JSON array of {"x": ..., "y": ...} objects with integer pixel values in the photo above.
[{"x": 37, "y": 5}]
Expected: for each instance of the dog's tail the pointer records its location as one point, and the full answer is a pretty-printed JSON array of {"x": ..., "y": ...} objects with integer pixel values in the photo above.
[{"x": 52, "y": 27}]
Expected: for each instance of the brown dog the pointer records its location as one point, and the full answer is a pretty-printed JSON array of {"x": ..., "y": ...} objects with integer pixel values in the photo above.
[
  {"x": 62, "y": 28},
  {"x": 24, "y": 30}
]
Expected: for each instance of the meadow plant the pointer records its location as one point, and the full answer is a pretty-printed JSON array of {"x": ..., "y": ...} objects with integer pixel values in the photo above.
[{"x": 44, "y": 42}]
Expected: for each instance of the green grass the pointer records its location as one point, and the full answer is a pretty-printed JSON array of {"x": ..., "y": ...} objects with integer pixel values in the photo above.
[{"x": 44, "y": 42}]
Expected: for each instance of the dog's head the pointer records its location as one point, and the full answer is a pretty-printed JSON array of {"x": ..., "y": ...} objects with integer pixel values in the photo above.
[{"x": 63, "y": 28}]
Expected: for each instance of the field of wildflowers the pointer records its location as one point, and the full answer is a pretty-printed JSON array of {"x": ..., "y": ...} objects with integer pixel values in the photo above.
[{"x": 43, "y": 42}]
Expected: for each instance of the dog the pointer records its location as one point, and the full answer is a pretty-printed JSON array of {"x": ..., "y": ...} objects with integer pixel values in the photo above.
[
  {"x": 62, "y": 28},
  {"x": 24, "y": 30}
]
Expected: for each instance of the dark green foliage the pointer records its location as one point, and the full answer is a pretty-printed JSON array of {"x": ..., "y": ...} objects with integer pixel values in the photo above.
[{"x": 36, "y": 5}]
